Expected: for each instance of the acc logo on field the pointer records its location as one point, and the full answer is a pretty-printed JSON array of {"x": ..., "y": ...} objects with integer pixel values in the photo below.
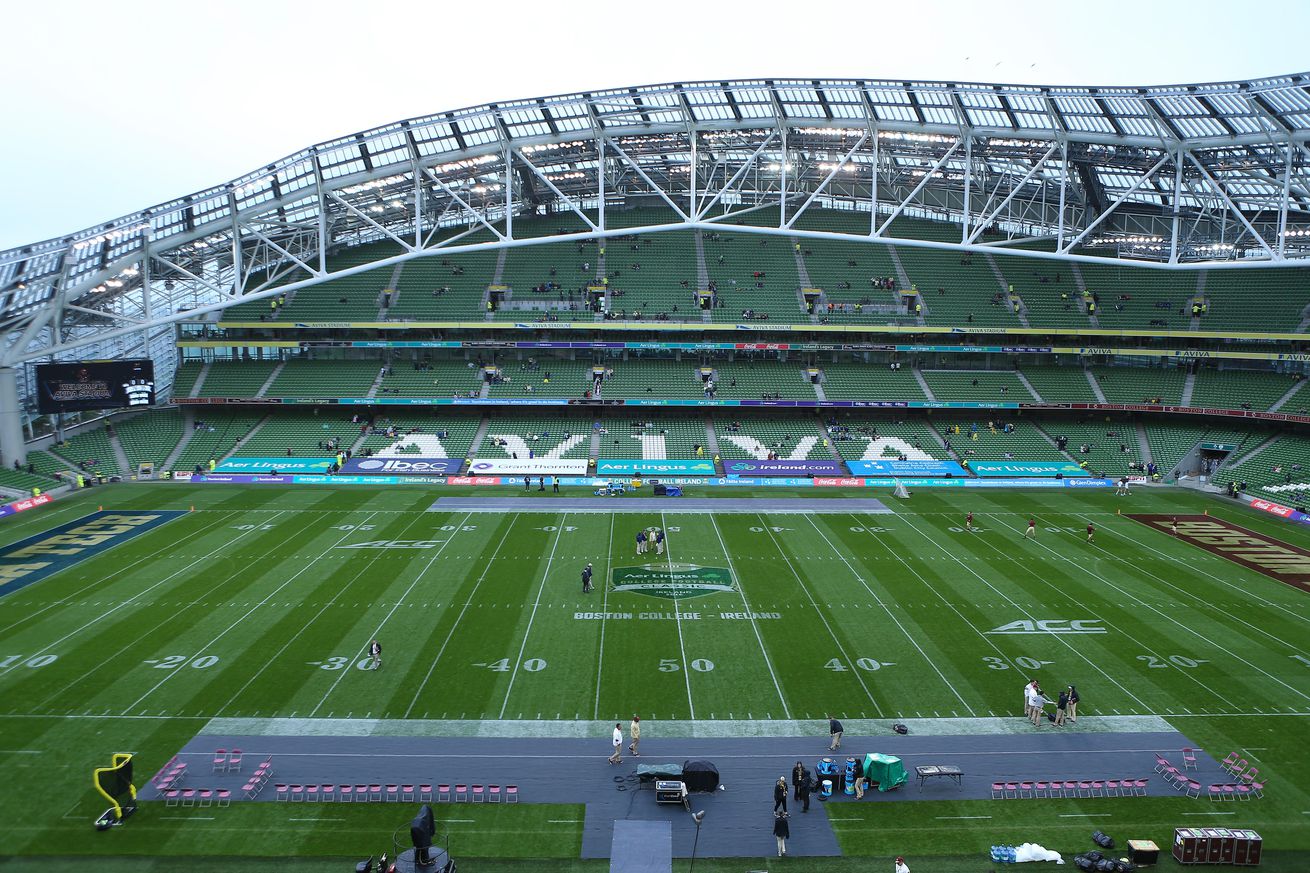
[
  {"x": 1051, "y": 626},
  {"x": 672, "y": 581}
]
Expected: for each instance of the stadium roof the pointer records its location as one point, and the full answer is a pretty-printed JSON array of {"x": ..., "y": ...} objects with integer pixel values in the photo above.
[{"x": 1173, "y": 175}]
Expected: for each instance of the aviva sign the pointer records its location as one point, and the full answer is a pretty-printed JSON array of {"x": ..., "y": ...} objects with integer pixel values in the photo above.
[{"x": 672, "y": 581}]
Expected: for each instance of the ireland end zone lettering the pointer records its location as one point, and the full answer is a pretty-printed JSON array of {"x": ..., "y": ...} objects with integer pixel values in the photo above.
[
  {"x": 44, "y": 554},
  {"x": 672, "y": 581}
]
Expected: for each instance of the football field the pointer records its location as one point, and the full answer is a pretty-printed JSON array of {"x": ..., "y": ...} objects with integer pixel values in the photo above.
[{"x": 174, "y": 605}]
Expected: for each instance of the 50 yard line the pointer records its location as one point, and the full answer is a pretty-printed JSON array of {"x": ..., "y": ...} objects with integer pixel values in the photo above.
[
  {"x": 604, "y": 610},
  {"x": 532, "y": 617},
  {"x": 677, "y": 618}
]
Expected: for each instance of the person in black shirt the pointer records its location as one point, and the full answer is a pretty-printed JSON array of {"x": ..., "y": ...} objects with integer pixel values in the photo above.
[
  {"x": 835, "y": 730},
  {"x": 586, "y": 579}
]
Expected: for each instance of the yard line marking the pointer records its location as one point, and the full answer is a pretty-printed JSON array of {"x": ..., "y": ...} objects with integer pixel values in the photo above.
[
  {"x": 1179, "y": 624},
  {"x": 1209, "y": 813},
  {"x": 171, "y": 673},
  {"x": 21, "y": 752},
  {"x": 572, "y": 821},
  {"x": 63, "y": 601},
  {"x": 533, "y": 615},
  {"x": 819, "y": 612},
  {"x": 1227, "y": 616},
  {"x": 677, "y": 618},
  {"x": 316, "y": 819},
  {"x": 786, "y": 712},
  {"x": 186, "y": 818},
  {"x": 467, "y": 602},
  {"x": 1085, "y": 815},
  {"x": 1026, "y": 613},
  {"x": 604, "y": 610},
  {"x": 129, "y": 600},
  {"x": 324, "y": 608},
  {"x": 878, "y": 600},
  {"x": 940, "y": 818},
  {"x": 1148, "y": 648}
]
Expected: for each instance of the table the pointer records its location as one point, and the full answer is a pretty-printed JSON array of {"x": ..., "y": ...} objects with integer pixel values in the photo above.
[{"x": 933, "y": 771}]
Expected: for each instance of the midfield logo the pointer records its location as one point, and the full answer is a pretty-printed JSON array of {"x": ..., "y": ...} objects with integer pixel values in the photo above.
[
  {"x": 395, "y": 544},
  {"x": 1051, "y": 626},
  {"x": 672, "y": 581}
]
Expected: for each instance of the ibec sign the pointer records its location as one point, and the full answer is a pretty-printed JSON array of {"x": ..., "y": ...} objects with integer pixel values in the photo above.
[{"x": 410, "y": 466}]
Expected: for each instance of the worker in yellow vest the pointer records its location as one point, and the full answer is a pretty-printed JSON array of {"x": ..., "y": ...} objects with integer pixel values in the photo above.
[
  {"x": 36, "y": 492},
  {"x": 81, "y": 481}
]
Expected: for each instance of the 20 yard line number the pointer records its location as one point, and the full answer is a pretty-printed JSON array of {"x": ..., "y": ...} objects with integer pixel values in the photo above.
[
  {"x": 1155, "y": 662},
  {"x": 172, "y": 662}
]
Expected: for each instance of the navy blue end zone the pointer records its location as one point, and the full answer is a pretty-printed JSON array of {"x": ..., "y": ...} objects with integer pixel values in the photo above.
[{"x": 48, "y": 552}]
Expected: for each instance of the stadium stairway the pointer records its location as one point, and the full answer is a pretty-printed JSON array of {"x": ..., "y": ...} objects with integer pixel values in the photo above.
[
  {"x": 1144, "y": 444},
  {"x": 121, "y": 456},
  {"x": 1288, "y": 395},
  {"x": 245, "y": 439},
  {"x": 1234, "y": 460},
  {"x": 200, "y": 380},
  {"x": 923, "y": 383},
  {"x": 188, "y": 431},
  {"x": 1096, "y": 386},
  {"x": 272, "y": 377},
  {"x": 1021, "y": 313},
  {"x": 481, "y": 434},
  {"x": 1050, "y": 439},
  {"x": 1028, "y": 385},
  {"x": 1189, "y": 385}
]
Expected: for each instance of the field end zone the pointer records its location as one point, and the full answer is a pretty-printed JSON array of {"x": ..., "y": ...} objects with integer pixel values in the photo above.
[{"x": 1255, "y": 551}]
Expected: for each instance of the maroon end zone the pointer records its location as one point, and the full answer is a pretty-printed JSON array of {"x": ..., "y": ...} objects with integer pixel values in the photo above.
[{"x": 1263, "y": 554}]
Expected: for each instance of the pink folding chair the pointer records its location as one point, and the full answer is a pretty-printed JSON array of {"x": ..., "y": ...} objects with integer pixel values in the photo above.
[
  {"x": 283, "y": 792},
  {"x": 1084, "y": 788},
  {"x": 1069, "y": 788},
  {"x": 998, "y": 790},
  {"x": 1139, "y": 787},
  {"x": 1041, "y": 788},
  {"x": 234, "y": 760},
  {"x": 1258, "y": 789},
  {"x": 407, "y": 793},
  {"x": 1228, "y": 762},
  {"x": 311, "y": 793},
  {"x": 1243, "y": 791},
  {"x": 1189, "y": 759},
  {"x": 511, "y": 794},
  {"x": 1193, "y": 788},
  {"x": 188, "y": 797},
  {"x": 172, "y": 796},
  {"x": 1112, "y": 788},
  {"x": 493, "y": 794},
  {"x": 346, "y": 793},
  {"x": 297, "y": 792},
  {"x": 1026, "y": 789},
  {"x": 224, "y": 797},
  {"x": 205, "y": 797},
  {"x": 461, "y": 792},
  {"x": 327, "y": 792},
  {"x": 374, "y": 793},
  {"x": 250, "y": 790},
  {"x": 1249, "y": 776},
  {"x": 479, "y": 793},
  {"x": 393, "y": 793},
  {"x": 1161, "y": 764},
  {"x": 361, "y": 794},
  {"x": 1215, "y": 792},
  {"x": 220, "y": 760},
  {"x": 1098, "y": 788}
]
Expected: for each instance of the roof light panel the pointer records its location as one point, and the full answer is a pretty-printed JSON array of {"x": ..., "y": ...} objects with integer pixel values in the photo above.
[
  {"x": 754, "y": 102},
  {"x": 434, "y": 138},
  {"x": 391, "y": 148},
  {"x": 295, "y": 177}
]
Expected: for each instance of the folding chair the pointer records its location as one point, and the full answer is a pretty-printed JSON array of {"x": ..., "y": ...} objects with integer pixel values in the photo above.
[
  {"x": 1228, "y": 762},
  {"x": 1244, "y": 791},
  {"x": 327, "y": 792},
  {"x": 250, "y": 790},
  {"x": 1215, "y": 792},
  {"x": 361, "y": 794},
  {"x": 1041, "y": 788},
  {"x": 188, "y": 797},
  {"x": 346, "y": 793},
  {"x": 1112, "y": 788},
  {"x": 998, "y": 788},
  {"x": 1069, "y": 788},
  {"x": 311, "y": 793},
  {"x": 172, "y": 796},
  {"x": 461, "y": 792},
  {"x": 493, "y": 794},
  {"x": 1098, "y": 788},
  {"x": 1056, "y": 789},
  {"x": 393, "y": 793},
  {"x": 1139, "y": 786},
  {"x": 1239, "y": 766},
  {"x": 1161, "y": 764},
  {"x": 1249, "y": 776},
  {"x": 1258, "y": 789},
  {"x": 297, "y": 792},
  {"x": 374, "y": 793},
  {"x": 224, "y": 797},
  {"x": 220, "y": 760},
  {"x": 283, "y": 792},
  {"x": 1229, "y": 790},
  {"x": 1189, "y": 759},
  {"x": 205, "y": 797},
  {"x": 443, "y": 793},
  {"x": 1193, "y": 788},
  {"x": 1084, "y": 788},
  {"x": 234, "y": 760},
  {"x": 479, "y": 793},
  {"x": 511, "y": 794},
  {"x": 407, "y": 793},
  {"x": 1026, "y": 789}
]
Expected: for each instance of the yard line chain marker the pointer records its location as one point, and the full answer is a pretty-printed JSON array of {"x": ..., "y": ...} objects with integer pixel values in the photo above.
[
  {"x": 129, "y": 600},
  {"x": 878, "y": 600},
  {"x": 245, "y": 616},
  {"x": 741, "y": 587},
  {"x": 1029, "y": 614},
  {"x": 326, "y": 606},
  {"x": 819, "y": 613},
  {"x": 485, "y": 570},
  {"x": 1179, "y": 624},
  {"x": 532, "y": 617}
]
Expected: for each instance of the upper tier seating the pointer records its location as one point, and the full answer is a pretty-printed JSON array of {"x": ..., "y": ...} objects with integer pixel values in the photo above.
[
  {"x": 307, "y": 377},
  {"x": 236, "y": 378},
  {"x": 998, "y": 385},
  {"x": 1066, "y": 384}
]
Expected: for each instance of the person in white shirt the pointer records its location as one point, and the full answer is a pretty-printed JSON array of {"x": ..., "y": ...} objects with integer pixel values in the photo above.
[
  {"x": 617, "y": 757},
  {"x": 901, "y": 866}
]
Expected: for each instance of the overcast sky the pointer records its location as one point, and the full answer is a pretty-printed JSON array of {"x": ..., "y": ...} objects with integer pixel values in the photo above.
[{"x": 113, "y": 107}]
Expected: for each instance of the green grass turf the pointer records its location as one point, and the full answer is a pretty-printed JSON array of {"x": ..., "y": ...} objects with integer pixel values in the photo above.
[{"x": 255, "y": 584}]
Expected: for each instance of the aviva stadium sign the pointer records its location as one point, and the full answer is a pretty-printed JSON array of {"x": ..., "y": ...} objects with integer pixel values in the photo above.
[{"x": 673, "y": 581}]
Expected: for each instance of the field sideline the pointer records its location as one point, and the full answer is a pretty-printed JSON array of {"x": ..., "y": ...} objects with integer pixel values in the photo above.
[{"x": 261, "y": 602}]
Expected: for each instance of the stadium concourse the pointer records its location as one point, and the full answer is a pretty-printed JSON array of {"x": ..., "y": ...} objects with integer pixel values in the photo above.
[{"x": 726, "y": 411}]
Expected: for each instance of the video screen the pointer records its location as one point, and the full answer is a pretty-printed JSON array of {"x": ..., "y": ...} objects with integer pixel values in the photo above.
[{"x": 70, "y": 387}]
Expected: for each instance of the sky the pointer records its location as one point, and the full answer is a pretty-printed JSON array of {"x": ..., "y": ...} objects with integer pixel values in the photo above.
[{"x": 110, "y": 108}]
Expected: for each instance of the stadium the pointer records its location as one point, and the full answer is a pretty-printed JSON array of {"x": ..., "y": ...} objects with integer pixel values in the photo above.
[{"x": 922, "y": 391}]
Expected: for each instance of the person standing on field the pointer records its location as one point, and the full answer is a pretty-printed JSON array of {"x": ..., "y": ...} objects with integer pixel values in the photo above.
[
  {"x": 586, "y": 579},
  {"x": 641, "y": 542},
  {"x": 1091, "y": 533},
  {"x": 781, "y": 832},
  {"x": 617, "y": 757},
  {"x": 968, "y": 521},
  {"x": 780, "y": 794},
  {"x": 1032, "y": 529},
  {"x": 901, "y": 866},
  {"x": 797, "y": 779},
  {"x": 835, "y": 730},
  {"x": 1073, "y": 704},
  {"x": 1061, "y": 708},
  {"x": 659, "y": 541},
  {"x": 375, "y": 652},
  {"x": 634, "y": 731}
]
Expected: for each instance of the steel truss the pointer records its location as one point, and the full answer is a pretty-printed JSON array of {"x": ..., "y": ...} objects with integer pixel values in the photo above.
[{"x": 1189, "y": 177}]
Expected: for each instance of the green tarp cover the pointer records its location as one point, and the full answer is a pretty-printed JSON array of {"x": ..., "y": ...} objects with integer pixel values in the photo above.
[
  {"x": 652, "y": 772},
  {"x": 886, "y": 770}
]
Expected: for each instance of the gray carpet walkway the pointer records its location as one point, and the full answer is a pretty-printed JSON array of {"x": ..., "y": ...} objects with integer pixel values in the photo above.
[{"x": 739, "y": 816}]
